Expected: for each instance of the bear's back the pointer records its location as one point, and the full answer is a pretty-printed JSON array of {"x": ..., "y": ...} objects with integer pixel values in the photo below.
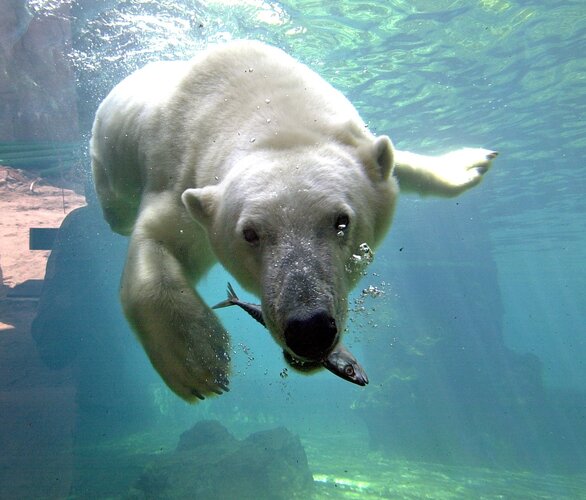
[{"x": 174, "y": 125}]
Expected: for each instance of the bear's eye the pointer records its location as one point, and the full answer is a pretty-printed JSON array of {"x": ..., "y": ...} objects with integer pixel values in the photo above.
[
  {"x": 342, "y": 222},
  {"x": 250, "y": 235}
]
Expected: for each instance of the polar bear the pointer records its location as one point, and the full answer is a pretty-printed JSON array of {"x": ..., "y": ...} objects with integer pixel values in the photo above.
[{"x": 245, "y": 156}]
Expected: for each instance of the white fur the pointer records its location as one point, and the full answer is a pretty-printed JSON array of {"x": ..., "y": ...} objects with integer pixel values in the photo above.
[{"x": 188, "y": 156}]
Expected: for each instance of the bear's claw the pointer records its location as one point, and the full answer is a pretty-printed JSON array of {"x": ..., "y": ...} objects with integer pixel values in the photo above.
[
  {"x": 483, "y": 167},
  {"x": 197, "y": 394}
]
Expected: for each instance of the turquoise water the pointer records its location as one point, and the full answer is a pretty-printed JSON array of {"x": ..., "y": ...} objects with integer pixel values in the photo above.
[{"x": 475, "y": 348}]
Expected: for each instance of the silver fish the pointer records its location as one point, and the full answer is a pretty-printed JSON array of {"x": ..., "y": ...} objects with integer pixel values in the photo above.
[
  {"x": 340, "y": 361},
  {"x": 343, "y": 363},
  {"x": 253, "y": 309}
]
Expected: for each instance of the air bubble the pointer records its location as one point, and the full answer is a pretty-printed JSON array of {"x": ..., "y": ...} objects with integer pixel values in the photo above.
[
  {"x": 372, "y": 291},
  {"x": 359, "y": 262},
  {"x": 365, "y": 249}
]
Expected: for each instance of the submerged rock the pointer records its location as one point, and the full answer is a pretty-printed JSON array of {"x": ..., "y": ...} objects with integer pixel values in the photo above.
[
  {"x": 205, "y": 433},
  {"x": 210, "y": 463}
]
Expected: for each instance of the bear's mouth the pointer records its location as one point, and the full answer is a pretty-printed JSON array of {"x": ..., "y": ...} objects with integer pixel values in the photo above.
[{"x": 338, "y": 359}]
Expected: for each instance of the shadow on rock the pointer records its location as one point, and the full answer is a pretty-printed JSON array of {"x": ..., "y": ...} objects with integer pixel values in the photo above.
[{"x": 211, "y": 463}]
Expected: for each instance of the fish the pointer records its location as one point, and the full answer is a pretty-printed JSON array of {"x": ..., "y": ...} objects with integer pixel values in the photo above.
[
  {"x": 340, "y": 361},
  {"x": 253, "y": 309}
]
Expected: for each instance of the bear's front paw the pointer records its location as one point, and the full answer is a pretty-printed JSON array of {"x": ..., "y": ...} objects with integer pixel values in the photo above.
[
  {"x": 205, "y": 367},
  {"x": 194, "y": 364},
  {"x": 462, "y": 169},
  {"x": 204, "y": 374}
]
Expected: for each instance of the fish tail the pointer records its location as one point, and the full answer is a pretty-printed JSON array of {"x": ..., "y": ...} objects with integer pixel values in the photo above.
[
  {"x": 229, "y": 301},
  {"x": 231, "y": 292}
]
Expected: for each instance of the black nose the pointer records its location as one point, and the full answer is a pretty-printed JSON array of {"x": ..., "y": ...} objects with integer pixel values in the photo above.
[{"x": 311, "y": 336}]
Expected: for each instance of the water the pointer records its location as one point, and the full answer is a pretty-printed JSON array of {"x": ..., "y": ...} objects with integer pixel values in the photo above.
[{"x": 469, "y": 322}]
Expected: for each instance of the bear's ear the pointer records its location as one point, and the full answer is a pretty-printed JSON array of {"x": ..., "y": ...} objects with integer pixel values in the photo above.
[
  {"x": 201, "y": 203},
  {"x": 382, "y": 149}
]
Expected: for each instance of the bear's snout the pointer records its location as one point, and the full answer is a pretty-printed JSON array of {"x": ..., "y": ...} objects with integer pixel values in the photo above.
[{"x": 311, "y": 336}]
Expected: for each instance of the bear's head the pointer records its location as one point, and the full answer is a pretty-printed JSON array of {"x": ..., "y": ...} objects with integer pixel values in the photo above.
[{"x": 292, "y": 224}]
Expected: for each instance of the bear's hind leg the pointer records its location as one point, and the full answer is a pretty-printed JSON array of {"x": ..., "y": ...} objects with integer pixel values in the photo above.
[{"x": 184, "y": 340}]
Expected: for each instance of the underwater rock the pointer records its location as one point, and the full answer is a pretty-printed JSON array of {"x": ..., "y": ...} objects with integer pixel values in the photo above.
[
  {"x": 205, "y": 433},
  {"x": 211, "y": 463},
  {"x": 37, "y": 83}
]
